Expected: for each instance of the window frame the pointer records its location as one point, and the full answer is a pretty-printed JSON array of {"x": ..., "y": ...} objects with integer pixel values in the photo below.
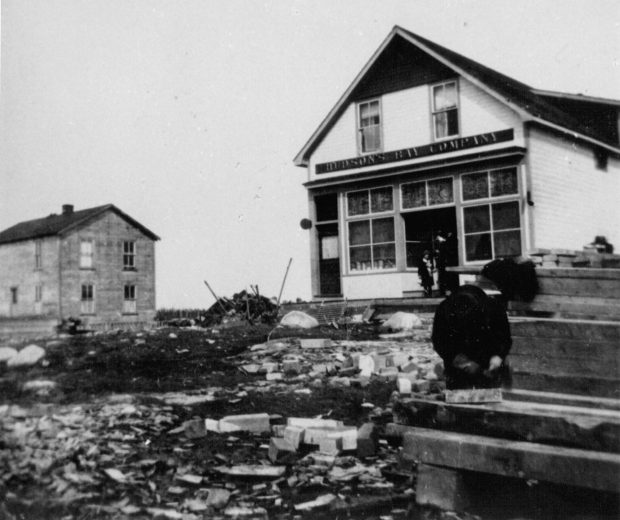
[
  {"x": 370, "y": 212},
  {"x": 359, "y": 128},
  {"x": 87, "y": 301},
  {"x": 130, "y": 305},
  {"x": 427, "y": 206},
  {"x": 129, "y": 255},
  {"x": 38, "y": 293},
  {"x": 435, "y": 112},
  {"x": 90, "y": 256},
  {"x": 38, "y": 259},
  {"x": 489, "y": 202}
]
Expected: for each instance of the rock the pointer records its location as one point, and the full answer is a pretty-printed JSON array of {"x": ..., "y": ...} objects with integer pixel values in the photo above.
[
  {"x": 316, "y": 343},
  {"x": 366, "y": 440},
  {"x": 27, "y": 356},
  {"x": 254, "y": 422},
  {"x": 218, "y": 497},
  {"x": 403, "y": 321},
  {"x": 404, "y": 386},
  {"x": 307, "y": 422},
  {"x": 281, "y": 451},
  {"x": 298, "y": 319},
  {"x": 274, "y": 376},
  {"x": 195, "y": 429},
  {"x": 39, "y": 386},
  {"x": 294, "y": 435},
  {"x": 248, "y": 470},
  {"x": 366, "y": 365},
  {"x": 320, "y": 501},
  {"x": 7, "y": 353}
]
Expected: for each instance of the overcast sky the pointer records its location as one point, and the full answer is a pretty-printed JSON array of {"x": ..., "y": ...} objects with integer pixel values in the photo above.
[{"x": 187, "y": 114}]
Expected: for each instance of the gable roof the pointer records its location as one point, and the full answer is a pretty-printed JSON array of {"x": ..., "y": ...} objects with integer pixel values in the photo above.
[
  {"x": 529, "y": 103},
  {"x": 61, "y": 224}
]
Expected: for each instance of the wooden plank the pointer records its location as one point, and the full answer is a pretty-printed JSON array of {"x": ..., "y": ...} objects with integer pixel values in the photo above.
[
  {"x": 526, "y": 460},
  {"x": 567, "y": 383},
  {"x": 565, "y": 347},
  {"x": 547, "y": 424},
  {"x": 596, "y": 308},
  {"x": 544, "y": 361},
  {"x": 561, "y": 399},
  {"x": 477, "y": 395},
  {"x": 602, "y": 288},
  {"x": 588, "y": 330}
]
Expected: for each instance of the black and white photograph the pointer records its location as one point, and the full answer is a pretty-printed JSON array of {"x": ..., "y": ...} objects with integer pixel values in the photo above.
[{"x": 309, "y": 259}]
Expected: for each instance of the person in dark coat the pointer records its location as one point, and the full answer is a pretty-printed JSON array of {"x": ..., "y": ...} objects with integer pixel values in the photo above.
[
  {"x": 472, "y": 335},
  {"x": 425, "y": 273}
]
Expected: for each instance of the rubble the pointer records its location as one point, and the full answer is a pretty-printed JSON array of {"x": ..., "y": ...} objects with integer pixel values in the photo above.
[{"x": 27, "y": 356}]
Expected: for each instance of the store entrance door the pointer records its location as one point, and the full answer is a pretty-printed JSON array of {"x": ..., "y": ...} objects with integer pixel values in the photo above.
[
  {"x": 329, "y": 259},
  {"x": 421, "y": 228}
]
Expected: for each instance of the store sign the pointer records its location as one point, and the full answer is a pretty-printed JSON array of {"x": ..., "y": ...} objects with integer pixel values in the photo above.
[{"x": 451, "y": 145}]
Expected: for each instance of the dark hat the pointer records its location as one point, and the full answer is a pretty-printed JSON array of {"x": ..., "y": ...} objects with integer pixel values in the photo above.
[{"x": 466, "y": 306}]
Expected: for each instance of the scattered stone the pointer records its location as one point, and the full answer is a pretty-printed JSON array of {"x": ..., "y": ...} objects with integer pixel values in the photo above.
[
  {"x": 281, "y": 451},
  {"x": 39, "y": 385},
  {"x": 217, "y": 498},
  {"x": 249, "y": 470},
  {"x": 320, "y": 501},
  {"x": 366, "y": 440},
  {"x": 7, "y": 353},
  {"x": 255, "y": 422},
  {"x": 294, "y": 435},
  {"x": 315, "y": 343},
  {"x": 299, "y": 320},
  {"x": 403, "y": 321},
  {"x": 27, "y": 356},
  {"x": 404, "y": 386},
  {"x": 195, "y": 429}
]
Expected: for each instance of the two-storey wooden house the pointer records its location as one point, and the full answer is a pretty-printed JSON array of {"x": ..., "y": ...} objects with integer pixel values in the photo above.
[
  {"x": 96, "y": 264},
  {"x": 425, "y": 139}
]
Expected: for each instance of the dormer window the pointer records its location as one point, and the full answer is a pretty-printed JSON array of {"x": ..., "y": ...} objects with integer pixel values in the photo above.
[
  {"x": 445, "y": 110},
  {"x": 369, "y": 126}
]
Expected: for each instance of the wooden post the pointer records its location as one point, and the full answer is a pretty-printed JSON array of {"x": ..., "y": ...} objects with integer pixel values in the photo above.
[
  {"x": 215, "y": 296},
  {"x": 283, "y": 281}
]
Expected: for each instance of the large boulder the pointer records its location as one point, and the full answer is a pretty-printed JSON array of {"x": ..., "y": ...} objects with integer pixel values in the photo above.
[
  {"x": 7, "y": 353},
  {"x": 27, "y": 356},
  {"x": 299, "y": 320},
  {"x": 402, "y": 321}
]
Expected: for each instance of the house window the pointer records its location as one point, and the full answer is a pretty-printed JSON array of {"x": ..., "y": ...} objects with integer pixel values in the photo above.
[
  {"x": 369, "y": 126},
  {"x": 86, "y": 254},
  {"x": 13, "y": 295},
  {"x": 129, "y": 300},
  {"x": 87, "y": 301},
  {"x": 37, "y": 254},
  {"x": 492, "y": 229},
  {"x": 129, "y": 255},
  {"x": 427, "y": 193},
  {"x": 38, "y": 293},
  {"x": 372, "y": 244},
  {"x": 445, "y": 110}
]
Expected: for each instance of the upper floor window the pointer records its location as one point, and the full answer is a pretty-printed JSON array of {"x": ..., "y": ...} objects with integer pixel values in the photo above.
[
  {"x": 129, "y": 299},
  {"x": 38, "y": 293},
  {"x": 37, "y": 254},
  {"x": 445, "y": 110},
  {"x": 369, "y": 126},
  {"x": 129, "y": 255},
  {"x": 86, "y": 254},
  {"x": 14, "y": 295}
]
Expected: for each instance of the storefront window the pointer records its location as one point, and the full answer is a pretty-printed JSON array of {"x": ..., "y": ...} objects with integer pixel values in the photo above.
[
  {"x": 372, "y": 244},
  {"x": 491, "y": 231},
  {"x": 427, "y": 193},
  {"x": 377, "y": 200}
]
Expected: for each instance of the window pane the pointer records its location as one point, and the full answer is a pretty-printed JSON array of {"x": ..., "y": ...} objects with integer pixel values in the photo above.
[
  {"x": 478, "y": 247},
  {"x": 359, "y": 232},
  {"x": 452, "y": 122},
  {"x": 384, "y": 256},
  {"x": 440, "y": 191},
  {"x": 414, "y": 195},
  {"x": 360, "y": 258},
  {"x": 357, "y": 203},
  {"x": 371, "y": 138},
  {"x": 504, "y": 182},
  {"x": 382, "y": 230},
  {"x": 477, "y": 219},
  {"x": 507, "y": 243},
  {"x": 329, "y": 247},
  {"x": 475, "y": 186},
  {"x": 369, "y": 114},
  {"x": 441, "y": 124},
  {"x": 506, "y": 216},
  {"x": 381, "y": 200},
  {"x": 439, "y": 98},
  {"x": 449, "y": 95},
  {"x": 326, "y": 207}
]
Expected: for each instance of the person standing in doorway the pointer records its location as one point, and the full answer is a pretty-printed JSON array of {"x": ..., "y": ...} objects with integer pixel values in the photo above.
[
  {"x": 425, "y": 273},
  {"x": 447, "y": 255}
]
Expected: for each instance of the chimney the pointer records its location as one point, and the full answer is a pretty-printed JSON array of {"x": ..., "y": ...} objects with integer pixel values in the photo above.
[{"x": 67, "y": 209}]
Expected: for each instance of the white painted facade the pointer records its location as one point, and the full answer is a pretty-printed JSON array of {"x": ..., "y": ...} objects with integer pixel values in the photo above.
[{"x": 546, "y": 186}]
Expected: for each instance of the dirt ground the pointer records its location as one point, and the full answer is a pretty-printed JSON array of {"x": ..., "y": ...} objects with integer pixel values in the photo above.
[{"x": 98, "y": 429}]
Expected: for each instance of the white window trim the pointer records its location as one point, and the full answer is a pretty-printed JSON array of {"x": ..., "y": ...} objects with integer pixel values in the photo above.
[
  {"x": 488, "y": 203},
  {"x": 133, "y": 254},
  {"x": 428, "y": 206},
  {"x": 88, "y": 302},
  {"x": 370, "y": 213},
  {"x": 130, "y": 302},
  {"x": 348, "y": 246},
  {"x": 433, "y": 111},
  {"x": 358, "y": 127}
]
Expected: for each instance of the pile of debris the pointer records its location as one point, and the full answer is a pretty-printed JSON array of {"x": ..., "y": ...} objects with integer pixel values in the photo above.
[{"x": 243, "y": 306}]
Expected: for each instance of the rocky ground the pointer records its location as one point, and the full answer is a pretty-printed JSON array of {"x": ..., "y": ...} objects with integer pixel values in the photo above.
[{"x": 128, "y": 425}]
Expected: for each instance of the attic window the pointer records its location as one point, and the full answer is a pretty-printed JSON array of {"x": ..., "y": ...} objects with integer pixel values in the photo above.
[
  {"x": 445, "y": 110},
  {"x": 369, "y": 126},
  {"x": 601, "y": 156}
]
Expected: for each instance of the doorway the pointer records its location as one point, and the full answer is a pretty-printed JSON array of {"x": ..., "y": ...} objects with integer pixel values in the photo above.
[
  {"x": 421, "y": 228},
  {"x": 329, "y": 259}
]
